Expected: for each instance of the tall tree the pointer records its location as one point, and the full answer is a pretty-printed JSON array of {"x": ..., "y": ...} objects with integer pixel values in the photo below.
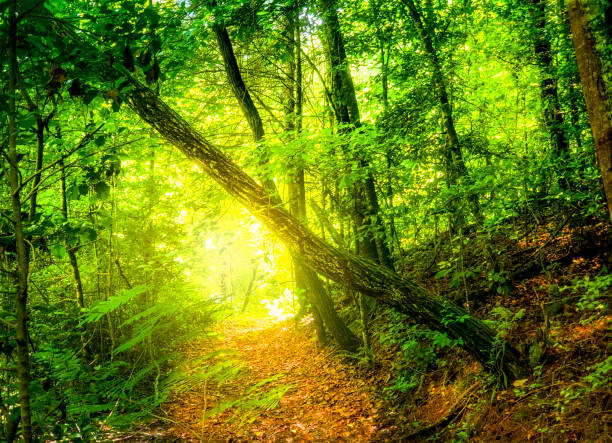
[
  {"x": 292, "y": 123},
  {"x": 553, "y": 117},
  {"x": 453, "y": 153},
  {"x": 70, "y": 249},
  {"x": 21, "y": 302},
  {"x": 366, "y": 205},
  {"x": 588, "y": 44}
]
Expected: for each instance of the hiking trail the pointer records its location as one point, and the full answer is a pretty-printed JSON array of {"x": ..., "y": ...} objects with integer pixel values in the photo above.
[{"x": 315, "y": 395}]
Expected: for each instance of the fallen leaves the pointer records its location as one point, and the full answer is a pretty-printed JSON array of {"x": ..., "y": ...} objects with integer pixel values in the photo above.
[{"x": 320, "y": 397}]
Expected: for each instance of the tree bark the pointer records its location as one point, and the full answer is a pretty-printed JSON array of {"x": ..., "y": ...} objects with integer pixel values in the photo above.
[
  {"x": 453, "y": 154},
  {"x": 78, "y": 284},
  {"x": 324, "y": 305},
  {"x": 320, "y": 330},
  {"x": 342, "y": 83},
  {"x": 21, "y": 305},
  {"x": 367, "y": 208},
  {"x": 40, "y": 146},
  {"x": 236, "y": 82},
  {"x": 326, "y": 225},
  {"x": 74, "y": 264},
  {"x": 455, "y": 163},
  {"x": 364, "y": 314},
  {"x": 109, "y": 267},
  {"x": 597, "y": 94},
  {"x": 247, "y": 294},
  {"x": 384, "y": 73},
  {"x": 306, "y": 281},
  {"x": 548, "y": 85},
  {"x": 248, "y": 108}
]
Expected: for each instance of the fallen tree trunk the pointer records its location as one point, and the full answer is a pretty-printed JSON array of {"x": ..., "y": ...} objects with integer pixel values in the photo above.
[
  {"x": 348, "y": 269},
  {"x": 355, "y": 272}
]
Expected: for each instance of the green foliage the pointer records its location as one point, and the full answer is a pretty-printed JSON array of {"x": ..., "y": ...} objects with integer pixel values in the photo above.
[
  {"x": 597, "y": 380},
  {"x": 418, "y": 351},
  {"x": 504, "y": 319},
  {"x": 600, "y": 375},
  {"x": 594, "y": 294},
  {"x": 102, "y": 308},
  {"x": 160, "y": 251},
  {"x": 261, "y": 397},
  {"x": 72, "y": 398},
  {"x": 219, "y": 367}
]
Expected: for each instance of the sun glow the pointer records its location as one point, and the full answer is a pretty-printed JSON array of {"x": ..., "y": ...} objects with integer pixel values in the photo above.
[
  {"x": 282, "y": 308},
  {"x": 236, "y": 262}
]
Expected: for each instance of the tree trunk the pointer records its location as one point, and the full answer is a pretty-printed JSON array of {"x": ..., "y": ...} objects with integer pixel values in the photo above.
[
  {"x": 247, "y": 294},
  {"x": 299, "y": 98},
  {"x": 453, "y": 155},
  {"x": 76, "y": 274},
  {"x": 21, "y": 302},
  {"x": 237, "y": 84},
  {"x": 308, "y": 282},
  {"x": 320, "y": 330},
  {"x": 321, "y": 301},
  {"x": 455, "y": 163},
  {"x": 364, "y": 314},
  {"x": 78, "y": 284},
  {"x": 40, "y": 146},
  {"x": 597, "y": 94},
  {"x": 342, "y": 83},
  {"x": 548, "y": 85},
  {"x": 297, "y": 192},
  {"x": 326, "y": 225},
  {"x": 384, "y": 74},
  {"x": 248, "y": 108},
  {"x": 367, "y": 208},
  {"x": 109, "y": 268}
]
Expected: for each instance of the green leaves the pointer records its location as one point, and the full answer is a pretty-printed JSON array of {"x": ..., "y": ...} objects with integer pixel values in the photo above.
[
  {"x": 26, "y": 121},
  {"x": 102, "y": 190},
  {"x": 96, "y": 312},
  {"x": 89, "y": 95},
  {"x": 152, "y": 15},
  {"x": 58, "y": 250},
  {"x": 100, "y": 140},
  {"x": 88, "y": 234},
  {"x": 77, "y": 190}
]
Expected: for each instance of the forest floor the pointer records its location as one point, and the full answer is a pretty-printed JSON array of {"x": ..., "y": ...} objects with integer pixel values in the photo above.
[
  {"x": 259, "y": 380},
  {"x": 281, "y": 388}
]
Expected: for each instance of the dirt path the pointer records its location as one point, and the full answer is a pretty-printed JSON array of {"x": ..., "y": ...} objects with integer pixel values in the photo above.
[{"x": 322, "y": 398}]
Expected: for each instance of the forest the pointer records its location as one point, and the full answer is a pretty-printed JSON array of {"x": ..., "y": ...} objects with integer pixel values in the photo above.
[{"x": 305, "y": 220}]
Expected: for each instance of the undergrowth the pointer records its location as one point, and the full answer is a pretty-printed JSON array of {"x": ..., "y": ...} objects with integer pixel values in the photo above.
[{"x": 558, "y": 315}]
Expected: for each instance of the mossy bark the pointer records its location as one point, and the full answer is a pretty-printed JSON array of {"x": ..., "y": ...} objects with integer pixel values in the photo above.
[
  {"x": 355, "y": 272},
  {"x": 21, "y": 301}
]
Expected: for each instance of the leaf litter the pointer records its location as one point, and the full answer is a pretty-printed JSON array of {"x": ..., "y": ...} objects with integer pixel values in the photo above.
[{"x": 270, "y": 382}]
